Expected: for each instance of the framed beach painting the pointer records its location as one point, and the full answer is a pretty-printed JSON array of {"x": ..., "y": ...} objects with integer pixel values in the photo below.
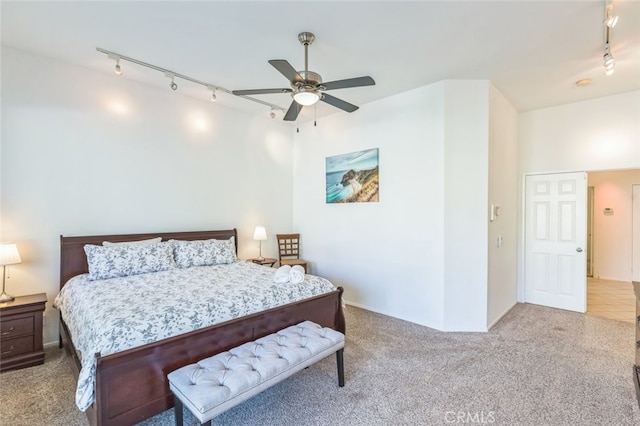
[{"x": 352, "y": 177}]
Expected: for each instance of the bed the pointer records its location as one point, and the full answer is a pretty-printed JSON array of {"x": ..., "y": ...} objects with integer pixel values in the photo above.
[{"x": 131, "y": 385}]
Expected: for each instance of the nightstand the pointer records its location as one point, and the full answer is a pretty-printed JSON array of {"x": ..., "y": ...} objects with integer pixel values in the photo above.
[
  {"x": 21, "y": 332},
  {"x": 267, "y": 261}
]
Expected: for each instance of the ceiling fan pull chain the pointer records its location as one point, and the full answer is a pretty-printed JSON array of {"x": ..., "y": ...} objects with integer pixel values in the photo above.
[{"x": 315, "y": 114}]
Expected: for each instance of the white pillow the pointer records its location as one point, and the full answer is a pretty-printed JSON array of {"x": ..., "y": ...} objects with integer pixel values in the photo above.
[
  {"x": 149, "y": 241},
  {"x": 204, "y": 252},
  {"x": 128, "y": 259}
]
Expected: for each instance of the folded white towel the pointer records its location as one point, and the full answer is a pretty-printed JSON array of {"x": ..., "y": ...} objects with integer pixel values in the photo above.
[
  {"x": 282, "y": 274},
  {"x": 296, "y": 275}
]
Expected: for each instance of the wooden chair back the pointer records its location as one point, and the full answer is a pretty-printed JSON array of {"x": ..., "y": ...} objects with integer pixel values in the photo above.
[
  {"x": 288, "y": 246},
  {"x": 289, "y": 250}
]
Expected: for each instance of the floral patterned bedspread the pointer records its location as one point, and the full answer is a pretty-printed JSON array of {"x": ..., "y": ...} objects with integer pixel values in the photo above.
[{"x": 108, "y": 316}]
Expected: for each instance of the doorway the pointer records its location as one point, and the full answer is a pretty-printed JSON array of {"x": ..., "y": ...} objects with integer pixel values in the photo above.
[
  {"x": 610, "y": 258},
  {"x": 613, "y": 232}
]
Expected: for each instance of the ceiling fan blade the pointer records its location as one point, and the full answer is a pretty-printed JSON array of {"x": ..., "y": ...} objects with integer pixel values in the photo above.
[
  {"x": 259, "y": 91},
  {"x": 349, "y": 82},
  {"x": 286, "y": 69},
  {"x": 293, "y": 111},
  {"x": 338, "y": 103}
]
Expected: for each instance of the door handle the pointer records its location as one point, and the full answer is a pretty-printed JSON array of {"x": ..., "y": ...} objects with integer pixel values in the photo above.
[{"x": 579, "y": 250}]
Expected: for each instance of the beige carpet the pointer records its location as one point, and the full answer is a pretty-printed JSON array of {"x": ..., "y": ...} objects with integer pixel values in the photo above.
[{"x": 537, "y": 366}]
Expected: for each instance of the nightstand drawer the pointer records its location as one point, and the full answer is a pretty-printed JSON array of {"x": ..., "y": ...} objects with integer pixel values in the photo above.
[
  {"x": 17, "y": 346},
  {"x": 16, "y": 327}
]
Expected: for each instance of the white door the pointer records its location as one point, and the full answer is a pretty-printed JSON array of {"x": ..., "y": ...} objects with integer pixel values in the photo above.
[
  {"x": 555, "y": 240},
  {"x": 635, "y": 265}
]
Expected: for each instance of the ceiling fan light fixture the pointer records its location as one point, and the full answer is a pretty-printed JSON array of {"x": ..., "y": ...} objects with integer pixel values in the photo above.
[{"x": 306, "y": 97}]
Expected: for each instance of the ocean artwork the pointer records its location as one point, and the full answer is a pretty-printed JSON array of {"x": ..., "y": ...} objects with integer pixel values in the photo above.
[{"x": 353, "y": 177}]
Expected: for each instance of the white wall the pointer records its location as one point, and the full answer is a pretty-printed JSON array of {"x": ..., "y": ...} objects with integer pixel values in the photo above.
[
  {"x": 612, "y": 232},
  {"x": 599, "y": 134},
  {"x": 420, "y": 253},
  {"x": 466, "y": 191},
  {"x": 91, "y": 153},
  {"x": 388, "y": 254},
  {"x": 503, "y": 192}
]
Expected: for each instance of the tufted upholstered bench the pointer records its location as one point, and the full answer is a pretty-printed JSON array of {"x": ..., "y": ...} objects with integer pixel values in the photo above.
[{"x": 220, "y": 382}]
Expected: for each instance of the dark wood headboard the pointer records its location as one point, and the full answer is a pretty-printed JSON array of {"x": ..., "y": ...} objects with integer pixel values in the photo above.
[{"x": 73, "y": 260}]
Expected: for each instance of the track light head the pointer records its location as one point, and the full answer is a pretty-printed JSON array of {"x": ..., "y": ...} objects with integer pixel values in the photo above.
[
  {"x": 611, "y": 21},
  {"x": 272, "y": 113},
  {"x": 213, "y": 93},
  {"x": 610, "y": 18},
  {"x": 173, "y": 84},
  {"x": 608, "y": 62},
  {"x": 117, "y": 70}
]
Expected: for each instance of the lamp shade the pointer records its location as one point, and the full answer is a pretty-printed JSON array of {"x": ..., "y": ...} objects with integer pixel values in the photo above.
[
  {"x": 9, "y": 254},
  {"x": 260, "y": 233}
]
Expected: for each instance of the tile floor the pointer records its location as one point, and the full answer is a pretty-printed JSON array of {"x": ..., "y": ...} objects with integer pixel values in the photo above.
[{"x": 611, "y": 299}]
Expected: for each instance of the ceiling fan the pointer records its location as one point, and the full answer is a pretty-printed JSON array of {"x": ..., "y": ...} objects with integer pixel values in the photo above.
[{"x": 307, "y": 87}]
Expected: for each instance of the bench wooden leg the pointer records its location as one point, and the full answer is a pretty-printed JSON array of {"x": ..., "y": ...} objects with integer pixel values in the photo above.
[
  {"x": 340, "y": 360},
  {"x": 177, "y": 411}
]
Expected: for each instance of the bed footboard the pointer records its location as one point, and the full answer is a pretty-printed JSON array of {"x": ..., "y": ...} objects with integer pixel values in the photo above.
[{"x": 132, "y": 385}]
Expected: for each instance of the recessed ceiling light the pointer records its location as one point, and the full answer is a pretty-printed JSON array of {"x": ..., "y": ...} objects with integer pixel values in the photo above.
[{"x": 584, "y": 82}]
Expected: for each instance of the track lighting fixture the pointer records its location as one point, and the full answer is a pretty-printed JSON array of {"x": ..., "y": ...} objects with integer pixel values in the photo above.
[
  {"x": 173, "y": 84},
  {"x": 609, "y": 62},
  {"x": 213, "y": 93},
  {"x": 173, "y": 75},
  {"x": 610, "y": 21},
  {"x": 118, "y": 70},
  {"x": 272, "y": 113}
]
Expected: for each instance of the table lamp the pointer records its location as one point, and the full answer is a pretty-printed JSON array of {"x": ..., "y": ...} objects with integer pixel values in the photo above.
[
  {"x": 8, "y": 256},
  {"x": 260, "y": 234}
]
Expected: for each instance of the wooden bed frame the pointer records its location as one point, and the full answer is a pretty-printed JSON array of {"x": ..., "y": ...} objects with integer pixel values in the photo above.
[{"x": 132, "y": 385}]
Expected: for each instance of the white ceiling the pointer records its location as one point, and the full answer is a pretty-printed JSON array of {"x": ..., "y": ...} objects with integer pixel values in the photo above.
[{"x": 532, "y": 51}]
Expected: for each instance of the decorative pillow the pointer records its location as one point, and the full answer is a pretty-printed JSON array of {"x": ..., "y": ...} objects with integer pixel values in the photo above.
[
  {"x": 149, "y": 241},
  {"x": 204, "y": 252},
  {"x": 128, "y": 259}
]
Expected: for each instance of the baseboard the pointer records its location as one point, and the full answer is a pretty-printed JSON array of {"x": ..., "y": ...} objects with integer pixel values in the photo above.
[
  {"x": 50, "y": 344},
  {"x": 600, "y": 277},
  {"x": 377, "y": 311}
]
